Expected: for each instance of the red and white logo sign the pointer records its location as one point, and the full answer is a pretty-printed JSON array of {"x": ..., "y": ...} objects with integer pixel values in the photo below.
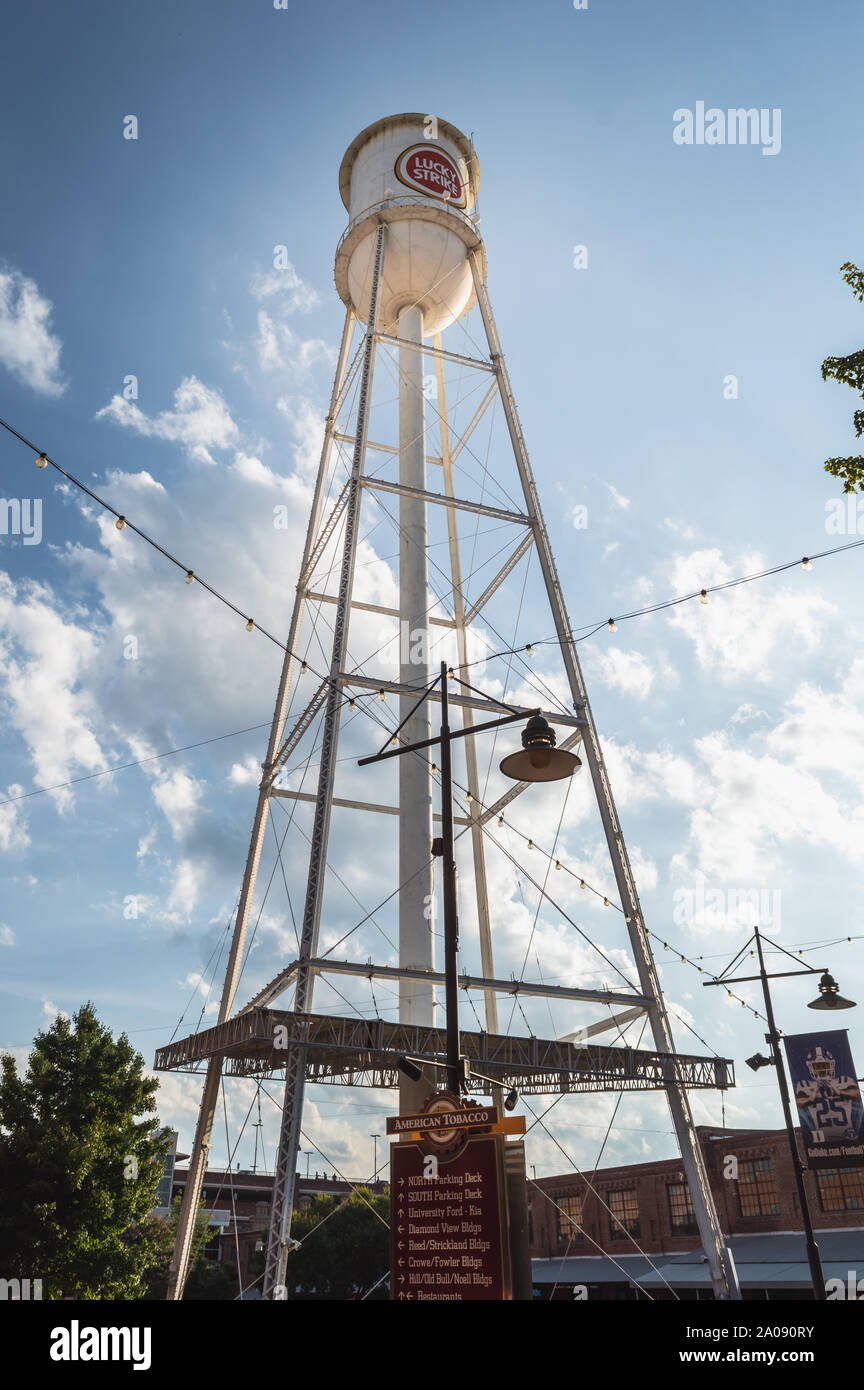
[{"x": 427, "y": 169}]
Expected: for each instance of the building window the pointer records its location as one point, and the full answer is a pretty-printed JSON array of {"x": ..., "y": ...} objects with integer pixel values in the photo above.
[
  {"x": 570, "y": 1218},
  {"x": 624, "y": 1206},
  {"x": 681, "y": 1215},
  {"x": 841, "y": 1189},
  {"x": 757, "y": 1190}
]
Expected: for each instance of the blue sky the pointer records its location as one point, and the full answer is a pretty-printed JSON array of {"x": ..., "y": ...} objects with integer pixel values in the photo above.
[{"x": 734, "y": 732}]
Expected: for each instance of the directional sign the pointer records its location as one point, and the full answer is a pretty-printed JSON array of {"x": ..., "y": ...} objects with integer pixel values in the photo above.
[{"x": 448, "y": 1229}]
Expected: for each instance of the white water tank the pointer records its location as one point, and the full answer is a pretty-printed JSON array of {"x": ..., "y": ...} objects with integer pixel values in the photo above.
[{"x": 419, "y": 175}]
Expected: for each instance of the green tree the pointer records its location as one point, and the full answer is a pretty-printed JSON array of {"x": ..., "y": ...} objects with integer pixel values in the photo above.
[
  {"x": 206, "y": 1280},
  {"x": 350, "y": 1251},
  {"x": 80, "y": 1160},
  {"x": 849, "y": 370}
]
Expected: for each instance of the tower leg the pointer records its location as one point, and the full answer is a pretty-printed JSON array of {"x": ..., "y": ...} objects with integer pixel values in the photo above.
[
  {"x": 295, "y": 1068},
  {"x": 720, "y": 1261},
  {"x": 416, "y": 942},
  {"x": 198, "y": 1160}
]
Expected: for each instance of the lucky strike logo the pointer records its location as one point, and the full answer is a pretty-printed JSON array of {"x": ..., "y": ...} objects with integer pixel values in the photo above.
[{"x": 427, "y": 169}]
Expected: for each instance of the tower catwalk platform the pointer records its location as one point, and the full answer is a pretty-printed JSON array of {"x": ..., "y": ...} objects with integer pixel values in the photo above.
[{"x": 364, "y": 1052}]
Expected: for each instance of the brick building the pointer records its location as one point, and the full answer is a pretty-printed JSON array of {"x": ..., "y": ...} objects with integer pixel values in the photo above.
[
  {"x": 239, "y": 1206},
  {"x": 575, "y": 1240}
]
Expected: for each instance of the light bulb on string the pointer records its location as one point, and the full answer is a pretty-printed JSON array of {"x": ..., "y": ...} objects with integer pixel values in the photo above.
[
  {"x": 434, "y": 768},
  {"x": 806, "y": 563},
  {"x": 557, "y": 863},
  {"x": 703, "y": 595},
  {"x": 250, "y": 625},
  {"x": 469, "y": 796},
  {"x": 352, "y": 704},
  {"x": 530, "y": 844},
  {"x": 189, "y": 577},
  {"x": 606, "y": 902},
  {"x": 382, "y": 694},
  {"x": 612, "y": 625},
  {"x": 120, "y": 523},
  {"x": 304, "y": 667},
  {"x": 41, "y": 461},
  {"x": 500, "y": 820},
  {"x": 582, "y": 883},
  {"x": 394, "y": 740},
  {"x": 529, "y": 650},
  {"x": 451, "y": 674}
]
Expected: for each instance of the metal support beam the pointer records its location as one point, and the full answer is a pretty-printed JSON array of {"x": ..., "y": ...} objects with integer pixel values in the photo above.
[
  {"x": 460, "y": 503},
  {"x": 198, "y": 1160},
  {"x": 511, "y": 988},
  {"x": 465, "y": 701},
  {"x": 720, "y": 1261},
  {"x": 295, "y": 1070}
]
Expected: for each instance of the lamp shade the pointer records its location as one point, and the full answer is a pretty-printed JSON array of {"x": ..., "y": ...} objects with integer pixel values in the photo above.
[
  {"x": 539, "y": 760},
  {"x": 830, "y": 996}
]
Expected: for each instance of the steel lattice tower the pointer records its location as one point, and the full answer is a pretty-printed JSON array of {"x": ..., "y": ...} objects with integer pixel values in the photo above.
[{"x": 410, "y": 265}]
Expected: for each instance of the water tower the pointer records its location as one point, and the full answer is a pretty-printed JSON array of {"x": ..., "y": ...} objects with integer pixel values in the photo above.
[
  {"x": 410, "y": 182},
  {"x": 409, "y": 266}
]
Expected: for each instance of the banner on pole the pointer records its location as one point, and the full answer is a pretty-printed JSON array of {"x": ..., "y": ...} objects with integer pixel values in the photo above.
[{"x": 828, "y": 1099}]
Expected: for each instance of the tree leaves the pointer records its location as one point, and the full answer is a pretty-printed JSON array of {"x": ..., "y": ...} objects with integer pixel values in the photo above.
[{"x": 850, "y": 371}]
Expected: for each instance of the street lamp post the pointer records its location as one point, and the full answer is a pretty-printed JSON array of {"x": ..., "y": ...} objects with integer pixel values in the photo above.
[
  {"x": 539, "y": 761},
  {"x": 829, "y": 998},
  {"x": 375, "y": 1138}
]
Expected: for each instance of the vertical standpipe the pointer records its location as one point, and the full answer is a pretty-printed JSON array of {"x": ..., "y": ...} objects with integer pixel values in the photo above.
[{"x": 416, "y": 941}]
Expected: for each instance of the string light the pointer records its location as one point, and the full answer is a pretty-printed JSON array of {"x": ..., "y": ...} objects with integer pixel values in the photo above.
[
  {"x": 394, "y": 740},
  {"x": 612, "y": 625},
  {"x": 806, "y": 563},
  {"x": 582, "y": 883},
  {"x": 500, "y": 820},
  {"x": 469, "y": 796},
  {"x": 703, "y": 595},
  {"x": 250, "y": 625},
  {"x": 352, "y": 704},
  {"x": 434, "y": 768},
  {"x": 606, "y": 902},
  {"x": 529, "y": 650},
  {"x": 190, "y": 577},
  {"x": 451, "y": 674},
  {"x": 41, "y": 461},
  {"x": 557, "y": 863},
  {"x": 120, "y": 523},
  {"x": 304, "y": 667},
  {"x": 530, "y": 844},
  {"x": 382, "y": 694}
]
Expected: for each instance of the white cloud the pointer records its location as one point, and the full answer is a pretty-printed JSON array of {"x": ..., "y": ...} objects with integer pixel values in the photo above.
[
  {"x": 200, "y": 420},
  {"x": 50, "y": 1011},
  {"x": 743, "y": 631},
  {"x": 44, "y": 656},
  {"x": 618, "y": 498},
  {"x": 28, "y": 348},
  {"x": 189, "y": 881},
  {"x": 245, "y": 774},
  {"x": 178, "y": 796},
  {"x": 285, "y": 285},
  {"x": 281, "y": 349},
  {"x": 629, "y": 672},
  {"x": 7, "y": 935},
  {"x": 13, "y": 833}
]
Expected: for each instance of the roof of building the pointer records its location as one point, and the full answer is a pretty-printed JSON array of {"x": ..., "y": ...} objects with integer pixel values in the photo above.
[{"x": 766, "y": 1260}]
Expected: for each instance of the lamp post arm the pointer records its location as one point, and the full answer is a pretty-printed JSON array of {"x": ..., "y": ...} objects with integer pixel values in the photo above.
[{"x": 451, "y": 734}]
